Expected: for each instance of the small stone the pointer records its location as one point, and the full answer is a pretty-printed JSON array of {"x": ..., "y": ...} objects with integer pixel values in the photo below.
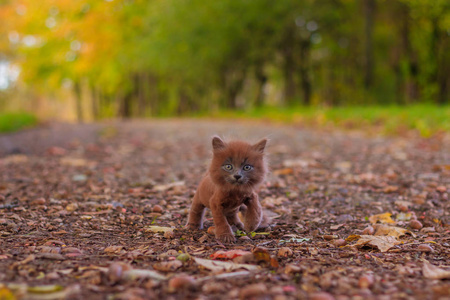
[
  {"x": 211, "y": 230},
  {"x": 72, "y": 207},
  {"x": 366, "y": 281},
  {"x": 292, "y": 269},
  {"x": 369, "y": 230},
  {"x": 340, "y": 242},
  {"x": 415, "y": 224},
  {"x": 253, "y": 290},
  {"x": 321, "y": 296},
  {"x": 38, "y": 201},
  {"x": 66, "y": 250},
  {"x": 214, "y": 287},
  {"x": 172, "y": 252},
  {"x": 441, "y": 189},
  {"x": 285, "y": 252},
  {"x": 168, "y": 266},
  {"x": 47, "y": 249},
  {"x": 157, "y": 209},
  {"x": 169, "y": 235},
  {"x": 183, "y": 257},
  {"x": 116, "y": 270},
  {"x": 180, "y": 282},
  {"x": 425, "y": 248},
  {"x": 403, "y": 208}
]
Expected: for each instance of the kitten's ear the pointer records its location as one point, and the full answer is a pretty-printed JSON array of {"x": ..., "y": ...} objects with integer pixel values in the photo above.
[
  {"x": 218, "y": 144},
  {"x": 260, "y": 146}
]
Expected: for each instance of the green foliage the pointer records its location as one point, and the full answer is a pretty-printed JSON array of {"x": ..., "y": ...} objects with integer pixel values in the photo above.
[
  {"x": 426, "y": 119},
  {"x": 10, "y": 122},
  {"x": 167, "y": 57}
]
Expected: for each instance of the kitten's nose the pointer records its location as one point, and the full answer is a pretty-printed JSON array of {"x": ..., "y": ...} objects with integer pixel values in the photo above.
[{"x": 237, "y": 176}]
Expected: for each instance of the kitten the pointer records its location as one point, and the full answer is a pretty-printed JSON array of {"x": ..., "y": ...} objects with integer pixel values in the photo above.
[{"x": 236, "y": 170}]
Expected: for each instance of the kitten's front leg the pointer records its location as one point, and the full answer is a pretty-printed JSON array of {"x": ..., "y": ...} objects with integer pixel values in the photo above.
[
  {"x": 196, "y": 212},
  {"x": 253, "y": 213},
  {"x": 223, "y": 229}
]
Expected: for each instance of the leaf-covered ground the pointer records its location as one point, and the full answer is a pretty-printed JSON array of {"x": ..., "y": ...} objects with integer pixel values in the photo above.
[{"x": 97, "y": 211}]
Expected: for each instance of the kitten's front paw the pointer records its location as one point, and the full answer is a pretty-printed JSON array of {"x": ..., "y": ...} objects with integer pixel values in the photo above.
[
  {"x": 226, "y": 238},
  {"x": 191, "y": 226}
]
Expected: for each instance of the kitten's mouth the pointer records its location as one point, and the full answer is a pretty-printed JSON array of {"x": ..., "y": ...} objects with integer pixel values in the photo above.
[{"x": 236, "y": 182}]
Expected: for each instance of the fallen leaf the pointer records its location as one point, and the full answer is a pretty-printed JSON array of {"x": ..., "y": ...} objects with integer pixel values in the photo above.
[
  {"x": 226, "y": 276},
  {"x": 137, "y": 273},
  {"x": 394, "y": 231},
  {"x": 352, "y": 238},
  {"x": 165, "y": 187},
  {"x": 432, "y": 272},
  {"x": 285, "y": 171},
  {"x": 74, "y": 162},
  {"x": 261, "y": 254},
  {"x": 382, "y": 218},
  {"x": 227, "y": 255},
  {"x": 390, "y": 189},
  {"x": 113, "y": 249},
  {"x": 336, "y": 227},
  {"x": 383, "y": 243},
  {"x": 44, "y": 288},
  {"x": 168, "y": 266},
  {"x": 343, "y": 166},
  {"x": 215, "y": 265},
  {"x": 158, "y": 229},
  {"x": 403, "y": 217}
]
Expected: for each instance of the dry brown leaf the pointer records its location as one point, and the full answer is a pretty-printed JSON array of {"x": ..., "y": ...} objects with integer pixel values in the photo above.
[
  {"x": 165, "y": 187},
  {"x": 432, "y": 272},
  {"x": 394, "y": 231},
  {"x": 158, "y": 229},
  {"x": 75, "y": 162},
  {"x": 215, "y": 265},
  {"x": 382, "y": 218},
  {"x": 383, "y": 243},
  {"x": 285, "y": 171}
]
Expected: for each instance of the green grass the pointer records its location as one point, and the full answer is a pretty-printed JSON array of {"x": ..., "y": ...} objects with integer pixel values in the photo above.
[
  {"x": 425, "y": 119},
  {"x": 10, "y": 122}
]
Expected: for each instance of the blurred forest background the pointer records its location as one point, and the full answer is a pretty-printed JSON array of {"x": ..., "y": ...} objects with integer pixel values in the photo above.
[{"x": 92, "y": 59}]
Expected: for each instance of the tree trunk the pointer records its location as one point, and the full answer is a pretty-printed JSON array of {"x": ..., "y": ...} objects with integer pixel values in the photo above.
[
  {"x": 125, "y": 106},
  {"x": 78, "y": 101},
  {"x": 289, "y": 67},
  {"x": 261, "y": 79},
  {"x": 439, "y": 50},
  {"x": 305, "y": 77},
  {"x": 94, "y": 102},
  {"x": 233, "y": 87},
  {"x": 411, "y": 84},
  {"x": 154, "y": 93},
  {"x": 369, "y": 12}
]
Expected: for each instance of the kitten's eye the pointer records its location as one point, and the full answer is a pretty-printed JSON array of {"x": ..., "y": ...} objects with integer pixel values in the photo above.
[
  {"x": 247, "y": 168},
  {"x": 228, "y": 167}
]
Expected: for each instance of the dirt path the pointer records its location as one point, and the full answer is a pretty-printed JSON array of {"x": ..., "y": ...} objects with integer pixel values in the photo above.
[{"x": 77, "y": 204}]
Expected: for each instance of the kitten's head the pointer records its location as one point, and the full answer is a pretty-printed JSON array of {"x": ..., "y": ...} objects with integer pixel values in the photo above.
[{"x": 237, "y": 164}]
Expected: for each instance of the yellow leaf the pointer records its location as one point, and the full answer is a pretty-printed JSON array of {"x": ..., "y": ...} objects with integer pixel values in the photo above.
[
  {"x": 352, "y": 238},
  {"x": 394, "y": 231},
  {"x": 383, "y": 243},
  {"x": 6, "y": 294},
  {"x": 382, "y": 218}
]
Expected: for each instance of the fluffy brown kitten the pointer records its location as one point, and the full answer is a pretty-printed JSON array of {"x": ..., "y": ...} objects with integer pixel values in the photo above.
[{"x": 237, "y": 168}]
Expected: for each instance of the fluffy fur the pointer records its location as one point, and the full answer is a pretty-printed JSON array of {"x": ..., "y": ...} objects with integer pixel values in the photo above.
[{"x": 236, "y": 170}]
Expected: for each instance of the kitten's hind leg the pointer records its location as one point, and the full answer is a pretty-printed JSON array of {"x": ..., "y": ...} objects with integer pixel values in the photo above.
[
  {"x": 234, "y": 220},
  {"x": 253, "y": 213},
  {"x": 196, "y": 213}
]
